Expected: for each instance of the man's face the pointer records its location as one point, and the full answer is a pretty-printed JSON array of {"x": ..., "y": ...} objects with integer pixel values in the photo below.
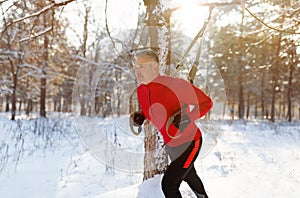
[{"x": 145, "y": 70}]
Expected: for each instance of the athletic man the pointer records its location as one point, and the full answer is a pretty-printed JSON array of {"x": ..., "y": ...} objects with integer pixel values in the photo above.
[{"x": 172, "y": 105}]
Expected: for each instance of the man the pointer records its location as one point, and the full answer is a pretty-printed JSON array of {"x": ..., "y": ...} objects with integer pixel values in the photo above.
[{"x": 172, "y": 105}]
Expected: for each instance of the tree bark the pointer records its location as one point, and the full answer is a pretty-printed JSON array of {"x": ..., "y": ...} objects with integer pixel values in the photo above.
[
  {"x": 155, "y": 160},
  {"x": 44, "y": 74},
  {"x": 255, "y": 110},
  {"x": 262, "y": 96},
  {"x": 14, "y": 71},
  {"x": 293, "y": 62},
  {"x": 7, "y": 103},
  {"x": 248, "y": 106},
  {"x": 13, "y": 96},
  {"x": 275, "y": 70},
  {"x": 83, "y": 100},
  {"x": 154, "y": 164},
  {"x": 241, "y": 70}
]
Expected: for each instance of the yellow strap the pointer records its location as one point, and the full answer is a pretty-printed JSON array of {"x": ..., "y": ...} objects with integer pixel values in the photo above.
[{"x": 192, "y": 74}]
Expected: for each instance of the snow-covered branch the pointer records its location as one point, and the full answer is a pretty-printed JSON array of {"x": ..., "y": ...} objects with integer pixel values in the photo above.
[
  {"x": 292, "y": 13},
  {"x": 38, "y": 13},
  {"x": 36, "y": 35},
  {"x": 35, "y": 74},
  {"x": 268, "y": 26},
  {"x": 30, "y": 66},
  {"x": 33, "y": 14},
  {"x": 54, "y": 4},
  {"x": 297, "y": 20},
  {"x": 85, "y": 60},
  {"x": 3, "y": 1},
  {"x": 212, "y": 4},
  {"x": 260, "y": 41},
  {"x": 9, "y": 53}
]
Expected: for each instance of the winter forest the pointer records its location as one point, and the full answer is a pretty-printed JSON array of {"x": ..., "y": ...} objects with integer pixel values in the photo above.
[
  {"x": 67, "y": 87},
  {"x": 253, "y": 44}
]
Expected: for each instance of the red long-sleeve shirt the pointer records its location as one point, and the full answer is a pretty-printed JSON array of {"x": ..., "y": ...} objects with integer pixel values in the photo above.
[{"x": 163, "y": 97}]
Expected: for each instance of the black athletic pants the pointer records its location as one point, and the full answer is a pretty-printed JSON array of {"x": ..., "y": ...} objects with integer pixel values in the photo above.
[{"x": 182, "y": 169}]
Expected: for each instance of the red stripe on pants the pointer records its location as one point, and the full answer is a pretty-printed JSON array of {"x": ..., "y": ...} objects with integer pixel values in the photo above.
[{"x": 192, "y": 154}]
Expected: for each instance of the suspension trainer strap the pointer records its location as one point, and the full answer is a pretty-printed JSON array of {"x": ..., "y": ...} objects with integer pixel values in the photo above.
[
  {"x": 193, "y": 70},
  {"x": 132, "y": 129},
  {"x": 171, "y": 119},
  {"x": 199, "y": 35}
]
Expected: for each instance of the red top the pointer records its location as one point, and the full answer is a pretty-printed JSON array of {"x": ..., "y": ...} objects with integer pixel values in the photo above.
[{"x": 163, "y": 97}]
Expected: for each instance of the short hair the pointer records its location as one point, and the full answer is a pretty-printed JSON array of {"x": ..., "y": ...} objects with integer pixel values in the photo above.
[{"x": 147, "y": 53}]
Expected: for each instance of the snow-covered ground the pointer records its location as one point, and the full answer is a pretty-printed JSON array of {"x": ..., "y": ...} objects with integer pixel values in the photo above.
[{"x": 46, "y": 158}]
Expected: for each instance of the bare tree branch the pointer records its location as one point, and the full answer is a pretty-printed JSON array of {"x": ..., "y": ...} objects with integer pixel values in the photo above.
[
  {"x": 43, "y": 10},
  {"x": 237, "y": 2},
  {"x": 106, "y": 25},
  {"x": 2, "y": 1},
  {"x": 38, "y": 13},
  {"x": 270, "y": 27},
  {"x": 3, "y": 12},
  {"x": 108, "y": 32},
  {"x": 37, "y": 34},
  {"x": 293, "y": 12}
]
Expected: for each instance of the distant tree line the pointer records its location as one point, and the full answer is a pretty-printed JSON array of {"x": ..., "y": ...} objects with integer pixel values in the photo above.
[{"x": 257, "y": 53}]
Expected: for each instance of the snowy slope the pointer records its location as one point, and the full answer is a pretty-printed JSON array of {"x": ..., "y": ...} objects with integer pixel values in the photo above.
[
  {"x": 250, "y": 159},
  {"x": 253, "y": 159}
]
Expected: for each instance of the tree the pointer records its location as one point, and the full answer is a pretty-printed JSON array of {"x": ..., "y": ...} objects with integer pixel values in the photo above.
[
  {"x": 263, "y": 56},
  {"x": 11, "y": 35},
  {"x": 155, "y": 161},
  {"x": 34, "y": 21}
]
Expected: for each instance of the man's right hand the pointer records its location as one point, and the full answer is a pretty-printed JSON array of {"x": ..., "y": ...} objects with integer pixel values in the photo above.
[
  {"x": 138, "y": 118},
  {"x": 181, "y": 121}
]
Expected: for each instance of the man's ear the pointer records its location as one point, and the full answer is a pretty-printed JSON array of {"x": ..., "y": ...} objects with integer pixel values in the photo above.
[{"x": 156, "y": 66}]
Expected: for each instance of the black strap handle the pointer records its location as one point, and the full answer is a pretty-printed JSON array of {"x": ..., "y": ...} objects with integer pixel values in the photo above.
[{"x": 171, "y": 119}]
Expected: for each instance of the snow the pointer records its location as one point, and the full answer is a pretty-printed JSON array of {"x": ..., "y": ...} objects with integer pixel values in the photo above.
[{"x": 250, "y": 159}]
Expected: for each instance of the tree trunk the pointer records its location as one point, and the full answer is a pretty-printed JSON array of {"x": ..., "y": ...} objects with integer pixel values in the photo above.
[
  {"x": 255, "y": 110},
  {"x": 262, "y": 96},
  {"x": 273, "y": 100},
  {"x": 28, "y": 101},
  {"x": 155, "y": 160},
  {"x": 118, "y": 75},
  {"x": 20, "y": 105},
  {"x": 43, "y": 97},
  {"x": 153, "y": 163},
  {"x": 241, "y": 70},
  {"x": 59, "y": 101},
  {"x": 248, "y": 107},
  {"x": 1, "y": 104},
  {"x": 280, "y": 107},
  {"x": 232, "y": 110},
  {"x": 275, "y": 70},
  {"x": 293, "y": 57},
  {"x": 29, "y": 106},
  {"x": 14, "y": 72},
  {"x": 7, "y": 103},
  {"x": 43, "y": 79},
  {"x": 241, "y": 101},
  {"x": 44, "y": 73},
  {"x": 83, "y": 99},
  {"x": 13, "y": 98}
]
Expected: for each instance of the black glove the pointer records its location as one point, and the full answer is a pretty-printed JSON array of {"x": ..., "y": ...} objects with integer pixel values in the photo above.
[
  {"x": 181, "y": 121},
  {"x": 138, "y": 118}
]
